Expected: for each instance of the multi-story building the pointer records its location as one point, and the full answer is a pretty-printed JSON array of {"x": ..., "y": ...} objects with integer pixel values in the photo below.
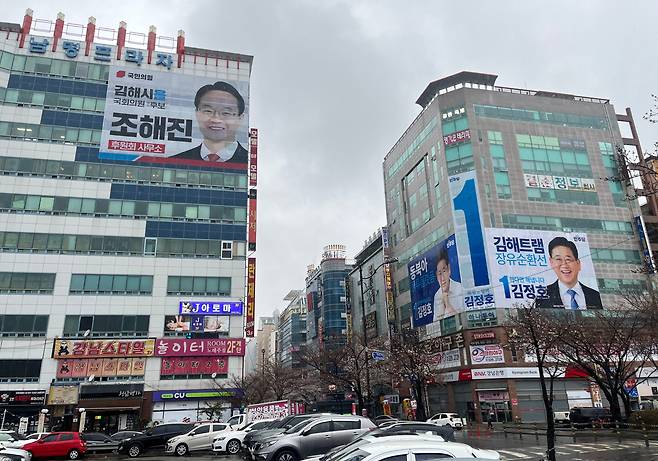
[
  {"x": 123, "y": 222},
  {"x": 481, "y": 189},
  {"x": 292, "y": 329},
  {"x": 266, "y": 340},
  {"x": 327, "y": 298}
]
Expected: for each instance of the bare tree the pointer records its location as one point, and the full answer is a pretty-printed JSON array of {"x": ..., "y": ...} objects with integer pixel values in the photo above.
[
  {"x": 538, "y": 334},
  {"x": 282, "y": 381}
]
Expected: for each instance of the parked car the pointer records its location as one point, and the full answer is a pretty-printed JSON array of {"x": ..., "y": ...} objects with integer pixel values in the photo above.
[
  {"x": 421, "y": 448},
  {"x": 97, "y": 442},
  {"x": 383, "y": 418},
  {"x": 585, "y": 416},
  {"x": 7, "y": 439},
  {"x": 28, "y": 439},
  {"x": 419, "y": 427},
  {"x": 15, "y": 454},
  {"x": 155, "y": 437},
  {"x": 58, "y": 444},
  {"x": 448, "y": 419},
  {"x": 561, "y": 418},
  {"x": 231, "y": 442},
  {"x": 199, "y": 438},
  {"x": 237, "y": 422},
  {"x": 254, "y": 437},
  {"x": 312, "y": 437},
  {"x": 123, "y": 435}
]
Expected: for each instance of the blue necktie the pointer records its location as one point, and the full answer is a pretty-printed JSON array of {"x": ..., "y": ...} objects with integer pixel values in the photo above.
[{"x": 574, "y": 303}]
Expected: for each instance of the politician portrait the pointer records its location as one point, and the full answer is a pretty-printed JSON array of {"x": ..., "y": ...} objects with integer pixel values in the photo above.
[{"x": 447, "y": 299}]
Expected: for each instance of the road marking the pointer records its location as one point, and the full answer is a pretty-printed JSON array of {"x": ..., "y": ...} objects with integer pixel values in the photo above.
[{"x": 516, "y": 454}]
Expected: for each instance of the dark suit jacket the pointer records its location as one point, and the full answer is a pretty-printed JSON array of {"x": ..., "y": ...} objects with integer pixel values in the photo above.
[
  {"x": 553, "y": 299},
  {"x": 240, "y": 156}
]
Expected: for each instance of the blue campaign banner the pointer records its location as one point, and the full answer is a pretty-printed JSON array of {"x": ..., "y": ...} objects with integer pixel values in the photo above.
[
  {"x": 211, "y": 307},
  {"x": 435, "y": 283}
]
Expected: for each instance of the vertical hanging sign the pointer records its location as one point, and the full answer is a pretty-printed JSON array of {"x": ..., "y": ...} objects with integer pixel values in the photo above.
[
  {"x": 251, "y": 298},
  {"x": 253, "y": 157},
  {"x": 251, "y": 230}
]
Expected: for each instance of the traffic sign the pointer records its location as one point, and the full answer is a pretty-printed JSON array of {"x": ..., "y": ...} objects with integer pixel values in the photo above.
[{"x": 377, "y": 356}]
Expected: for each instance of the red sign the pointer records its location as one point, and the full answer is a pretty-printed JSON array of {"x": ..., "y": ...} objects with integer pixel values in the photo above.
[
  {"x": 78, "y": 368},
  {"x": 81, "y": 348},
  {"x": 515, "y": 402},
  {"x": 176, "y": 347},
  {"x": 251, "y": 298},
  {"x": 253, "y": 156},
  {"x": 465, "y": 375},
  {"x": 251, "y": 229},
  {"x": 459, "y": 136},
  {"x": 194, "y": 366},
  {"x": 484, "y": 335}
]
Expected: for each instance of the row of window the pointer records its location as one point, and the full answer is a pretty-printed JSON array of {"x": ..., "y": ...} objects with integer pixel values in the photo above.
[
  {"x": 58, "y": 67},
  {"x": 49, "y": 133},
  {"x": 616, "y": 286},
  {"x": 47, "y": 99},
  {"x": 202, "y": 286},
  {"x": 562, "y": 196},
  {"x": 106, "y": 325},
  {"x": 125, "y": 208},
  {"x": 111, "y": 284},
  {"x": 23, "y": 325},
  {"x": 616, "y": 256},
  {"x": 567, "y": 224},
  {"x": 459, "y": 158},
  {"x": 526, "y": 115},
  {"x": 415, "y": 144},
  {"x": 454, "y": 124},
  {"x": 129, "y": 174},
  {"x": 609, "y": 158},
  {"x": 109, "y": 245},
  {"x": 19, "y": 371},
  {"x": 26, "y": 282}
]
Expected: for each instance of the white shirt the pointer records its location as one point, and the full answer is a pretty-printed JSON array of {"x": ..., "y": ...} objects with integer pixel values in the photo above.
[
  {"x": 454, "y": 297},
  {"x": 566, "y": 297},
  {"x": 225, "y": 154}
]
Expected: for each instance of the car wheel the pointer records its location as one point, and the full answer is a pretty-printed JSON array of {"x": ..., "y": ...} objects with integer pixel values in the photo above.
[
  {"x": 74, "y": 454},
  {"x": 233, "y": 447},
  {"x": 286, "y": 455},
  {"x": 134, "y": 451},
  {"x": 181, "y": 449}
]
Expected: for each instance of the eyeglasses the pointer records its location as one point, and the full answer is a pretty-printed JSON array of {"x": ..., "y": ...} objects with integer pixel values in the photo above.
[
  {"x": 221, "y": 113},
  {"x": 560, "y": 260}
]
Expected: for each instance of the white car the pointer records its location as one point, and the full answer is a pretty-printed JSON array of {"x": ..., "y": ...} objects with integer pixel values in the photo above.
[
  {"x": 231, "y": 442},
  {"x": 15, "y": 454},
  {"x": 199, "y": 438},
  {"x": 448, "y": 419},
  {"x": 28, "y": 439},
  {"x": 386, "y": 449},
  {"x": 367, "y": 439}
]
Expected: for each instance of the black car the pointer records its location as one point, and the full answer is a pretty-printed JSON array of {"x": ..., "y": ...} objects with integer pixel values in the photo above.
[
  {"x": 156, "y": 437},
  {"x": 98, "y": 442},
  {"x": 123, "y": 435},
  {"x": 585, "y": 416}
]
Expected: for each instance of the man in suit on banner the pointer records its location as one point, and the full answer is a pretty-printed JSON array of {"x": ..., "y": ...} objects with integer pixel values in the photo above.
[
  {"x": 567, "y": 291},
  {"x": 219, "y": 113}
]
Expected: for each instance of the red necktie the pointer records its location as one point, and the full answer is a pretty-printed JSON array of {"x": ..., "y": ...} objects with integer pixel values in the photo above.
[{"x": 213, "y": 157}]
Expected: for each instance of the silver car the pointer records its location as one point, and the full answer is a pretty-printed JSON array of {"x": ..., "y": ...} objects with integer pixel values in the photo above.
[{"x": 312, "y": 437}]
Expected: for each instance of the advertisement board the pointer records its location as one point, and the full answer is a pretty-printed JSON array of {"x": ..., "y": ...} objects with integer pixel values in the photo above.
[
  {"x": 22, "y": 397},
  {"x": 447, "y": 359},
  {"x": 371, "y": 325},
  {"x": 176, "y": 119},
  {"x": 196, "y": 394},
  {"x": 486, "y": 354},
  {"x": 112, "y": 367},
  {"x": 210, "y": 307},
  {"x": 554, "y": 269},
  {"x": 253, "y": 157},
  {"x": 63, "y": 394},
  {"x": 199, "y": 347},
  {"x": 194, "y": 366},
  {"x": 202, "y": 323},
  {"x": 78, "y": 348},
  {"x": 251, "y": 298},
  {"x": 251, "y": 227}
]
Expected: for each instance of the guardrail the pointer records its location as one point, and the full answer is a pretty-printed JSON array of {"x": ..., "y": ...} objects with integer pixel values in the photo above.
[{"x": 619, "y": 431}]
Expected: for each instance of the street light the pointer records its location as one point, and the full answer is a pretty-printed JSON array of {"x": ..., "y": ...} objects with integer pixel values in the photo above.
[{"x": 363, "y": 316}]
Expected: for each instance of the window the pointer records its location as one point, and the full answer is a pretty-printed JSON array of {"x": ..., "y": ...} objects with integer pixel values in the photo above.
[
  {"x": 111, "y": 284},
  {"x": 106, "y": 325},
  {"x": 227, "y": 250},
  {"x": 527, "y": 115},
  {"x": 346, "y": 425},
  {"x": 320, "y": 427},
  {"x": 65, "y": 436},
  {"x": 206, "y": 286},
  {"x": 201, "y": 430},
  {"x": 21, "y": 282},
  {"x": 23, "y": 371},
  {"x": 431, "y": 456},
  {"x": 50, "y": 438},
  {"x": 23, "y": 325}
]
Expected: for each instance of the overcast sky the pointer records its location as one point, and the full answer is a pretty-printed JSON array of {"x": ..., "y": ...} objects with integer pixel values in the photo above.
[{"x": 334, "y": 83}]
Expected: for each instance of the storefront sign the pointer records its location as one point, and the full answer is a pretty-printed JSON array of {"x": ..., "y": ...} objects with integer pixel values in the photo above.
[
  {"x": 22, "y": 397},
  {"x": 211, "y": 307},
  {"x": 497, "y": 373},
  {"x": 447, "y": 359},
  {"x": 485, "y": 317},
  {"x": 78, "y": 348},
  {"x": 488, "y": 353},
  {"x": 493, "y": 396},
  {"x": 63, "y": 395},
  {"x": 199, "y": 347},
  {"x": 251, "y": 298},
  {"x": 201, "y": 323},
  {"x": 457, "y": 137},
  {"x": 489, "y": 334},
  {"x": 371, "y": 325},
  {"x": 194, "y": 366},
  {"x": 195, "y": 394},
  {"x": 78, "y": 368},
  {"x": 111, "y": 391}
]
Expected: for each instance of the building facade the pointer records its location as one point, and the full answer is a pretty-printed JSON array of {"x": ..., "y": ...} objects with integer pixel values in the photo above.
[
  {"x": 292, "y": 329},
  {"x": 124, "y": 240},
  {"x": 480, "y": 189},
  {"x": 329, "y": 310},
  {"x": 267, "y": 338}
]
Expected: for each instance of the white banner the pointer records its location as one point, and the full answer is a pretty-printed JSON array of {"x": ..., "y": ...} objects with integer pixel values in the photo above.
[
  {"x": 447, "y": 359},
  {"x": 488, "y": 353}
]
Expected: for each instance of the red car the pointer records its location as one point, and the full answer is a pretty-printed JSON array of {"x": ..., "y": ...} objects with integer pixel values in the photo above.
[{"x": 65, "y": 444}]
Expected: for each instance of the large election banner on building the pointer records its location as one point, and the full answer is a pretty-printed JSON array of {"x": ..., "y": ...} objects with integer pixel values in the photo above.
[
  {"x": 554, "y": 269},
  {"x": 166, "y": 117}
]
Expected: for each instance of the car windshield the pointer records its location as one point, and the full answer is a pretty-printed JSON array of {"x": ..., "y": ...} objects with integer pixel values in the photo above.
[
  {"x": 296, "y": 428},
  {"x": 260, "y": 425},
  {"x": 281, "y": 423},
  {"x": 346, "y": 449},
  {"x": 353, "y": 455}
]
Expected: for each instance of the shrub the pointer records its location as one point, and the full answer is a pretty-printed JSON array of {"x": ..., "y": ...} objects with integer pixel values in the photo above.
[{"x": 648, "y": 417}]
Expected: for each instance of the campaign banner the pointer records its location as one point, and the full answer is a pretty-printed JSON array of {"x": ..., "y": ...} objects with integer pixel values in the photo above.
[
  {"x": 79, "y": 348},
  {"x": 175, "y": 119},
  {"x": 251, "y": 298},
  {"x": 253, "y": 157},
  {"x": 251, "y": 226},
  {"x": 435, "y": 283},
  {"x": 81, "y": 368},
  {"x": 202, "y": 323},
  {"x": 276, "y": 410},
  {"x": 548, "y": 268},
  {"x": 539, "y": 181},
  {"x": 447, "y": 359},
  {"x": 179, "y": 347},
  {"x": 193, "y": 366},
  {"x": 488, "y": 353},
  {"x": 211, "y": 307}
]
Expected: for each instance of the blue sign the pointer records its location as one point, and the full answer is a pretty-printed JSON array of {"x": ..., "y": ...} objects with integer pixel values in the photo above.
[
  {"x": 211, "y": 307},
  {"x": 378, "y": 356}
]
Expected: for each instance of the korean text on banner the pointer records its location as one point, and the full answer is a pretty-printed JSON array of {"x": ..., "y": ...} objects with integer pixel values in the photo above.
[
  {"x": 251, "y": 233},
  {"x": 253, "y": 157},
  {"x": 173, "y": 118},
  {"x": 73, "y": 348},
  {"x": 251, "y": 298},
  {"x": 178, "y": 347},
  {"x": 194, "y": 366}
]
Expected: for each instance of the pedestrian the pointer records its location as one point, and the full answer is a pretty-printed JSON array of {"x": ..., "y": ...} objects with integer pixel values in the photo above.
[{"x": 490, "y": 420}]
